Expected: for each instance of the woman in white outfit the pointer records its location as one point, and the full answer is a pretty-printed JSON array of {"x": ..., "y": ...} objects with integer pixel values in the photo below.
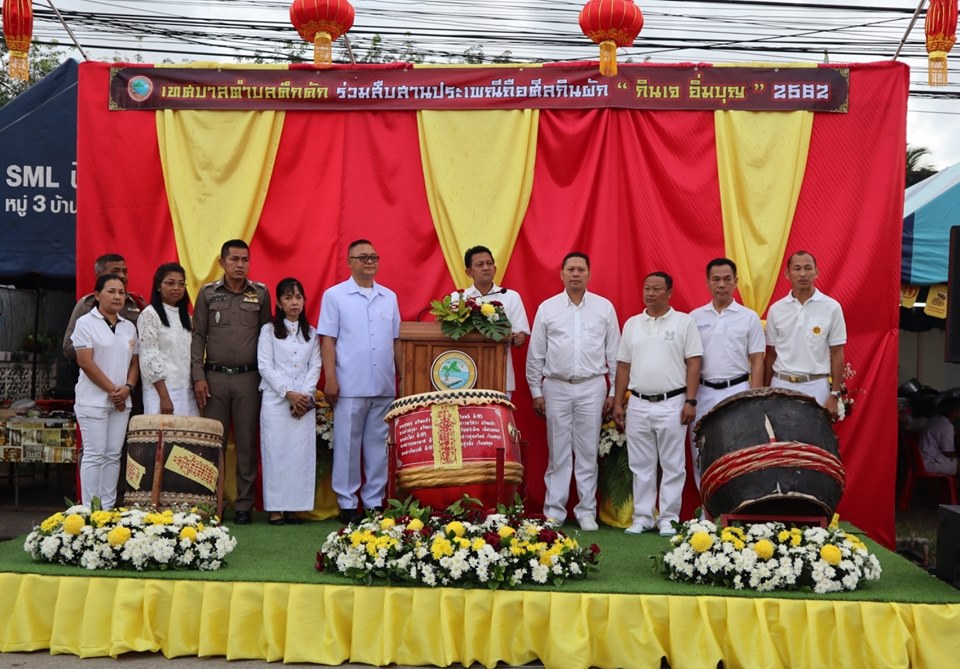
[
  {"x": 165, "y": 336},
  {"x": 288, "y": 357},
  {"x": 106, "y": 345}
]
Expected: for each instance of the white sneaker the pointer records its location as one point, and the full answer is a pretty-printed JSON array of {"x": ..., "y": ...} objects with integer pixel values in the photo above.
[
  {"x": 588, "y": 525},
  {"x": 666, "y": 530},
  {"x": 637, "y": 528}
]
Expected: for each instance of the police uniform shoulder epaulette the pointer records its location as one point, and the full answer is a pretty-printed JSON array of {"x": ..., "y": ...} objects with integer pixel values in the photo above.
[
  {"x": 259, "y": 284},
  {"x": 212, "y": 284}
]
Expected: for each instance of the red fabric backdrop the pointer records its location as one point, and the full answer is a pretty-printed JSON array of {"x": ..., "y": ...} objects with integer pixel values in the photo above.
[{"x": 637, "y": 191}]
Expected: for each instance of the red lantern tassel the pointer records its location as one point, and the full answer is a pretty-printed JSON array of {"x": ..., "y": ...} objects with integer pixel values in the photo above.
[
  {"x": 608, "y": 58},
  {"x": 19, "y": 66},
  {"x": 322, "y": 49}
]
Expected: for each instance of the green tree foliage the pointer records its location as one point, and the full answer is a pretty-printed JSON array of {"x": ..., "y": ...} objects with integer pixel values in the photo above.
[
  {"x": 917, "y": 167},
  {"x": 44, "y": 58}
]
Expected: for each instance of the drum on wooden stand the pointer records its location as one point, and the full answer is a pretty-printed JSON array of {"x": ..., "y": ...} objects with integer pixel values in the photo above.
[
  {"x": 447, "y": 444},
  {"x": 174, "y": 461},
  {"x": 769, "y": 452}
]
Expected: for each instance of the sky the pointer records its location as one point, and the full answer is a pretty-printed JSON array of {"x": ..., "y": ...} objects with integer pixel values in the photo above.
[{"x": 537, "y": 30}]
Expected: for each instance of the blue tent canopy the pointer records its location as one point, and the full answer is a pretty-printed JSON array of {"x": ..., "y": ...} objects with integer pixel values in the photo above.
[
  {"x": 38, "y": 153},
  {"x": 930, "y": 209}
]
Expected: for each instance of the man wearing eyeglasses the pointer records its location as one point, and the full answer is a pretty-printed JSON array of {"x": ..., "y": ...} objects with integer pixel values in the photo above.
[{"x": 359, "y": 332}]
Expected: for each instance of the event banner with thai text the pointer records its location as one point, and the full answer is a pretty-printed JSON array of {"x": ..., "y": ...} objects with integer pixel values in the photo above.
[{"x": 679, "y": 87}]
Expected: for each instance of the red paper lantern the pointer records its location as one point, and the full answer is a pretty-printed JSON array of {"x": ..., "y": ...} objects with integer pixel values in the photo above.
[
  {"x": 941, "y": 30},
  {"x": 611, "y": 24},
  {"x": 18, "y": 31},
  {"x": 321, "y": 22}
]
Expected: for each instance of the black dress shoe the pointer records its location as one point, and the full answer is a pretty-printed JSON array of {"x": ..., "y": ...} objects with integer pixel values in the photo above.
[
  {"x": 277, "y": 521},
  {"x": 292, "y": 519},
  {"x": 242, "y": 518},
  {"x": 347, "y": 516}
]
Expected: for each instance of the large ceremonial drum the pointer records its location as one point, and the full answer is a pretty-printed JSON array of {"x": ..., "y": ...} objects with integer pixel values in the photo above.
[
  {"x": 173, "y": 461},
  {"x": 769, "y": 452},
  {"x": 446, "y": 444}
]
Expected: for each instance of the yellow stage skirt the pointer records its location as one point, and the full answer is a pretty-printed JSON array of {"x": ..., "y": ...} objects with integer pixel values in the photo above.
[{"x": 94, "y": 617}]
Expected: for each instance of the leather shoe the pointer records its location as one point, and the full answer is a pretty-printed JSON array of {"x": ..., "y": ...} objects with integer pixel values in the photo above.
[
  {"x": 292, "y": 519},
  {"x": 347, "y": 516},
  {"x": 242, "y": 518},
  {"x": 277, "y": 521}
]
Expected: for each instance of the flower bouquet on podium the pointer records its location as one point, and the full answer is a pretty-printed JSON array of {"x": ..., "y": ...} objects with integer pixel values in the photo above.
[{"x": 463, "y": 315}]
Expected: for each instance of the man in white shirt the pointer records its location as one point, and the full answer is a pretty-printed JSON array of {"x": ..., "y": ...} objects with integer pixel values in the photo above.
[
  {"x": 733, "y": 345},
  {"x": 659, "y": 363},
  {"x": 480, "y": 266},
  {"x": 360, "y": 351},
  {"x": 572, "y": 355},
  {"x": 805, "y": 337}
]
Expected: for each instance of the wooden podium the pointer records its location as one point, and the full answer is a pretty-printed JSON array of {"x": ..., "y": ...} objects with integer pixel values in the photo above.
[{"x": 424, "y": 348}]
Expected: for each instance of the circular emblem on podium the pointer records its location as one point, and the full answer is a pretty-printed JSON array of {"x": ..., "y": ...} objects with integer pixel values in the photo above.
[{"x": 453, "y": 370}]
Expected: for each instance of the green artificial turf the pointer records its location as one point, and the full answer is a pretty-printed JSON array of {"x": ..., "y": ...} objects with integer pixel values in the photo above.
[{"x": 287, "y": 554}]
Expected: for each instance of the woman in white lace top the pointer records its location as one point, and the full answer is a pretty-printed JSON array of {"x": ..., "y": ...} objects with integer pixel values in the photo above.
[
  {"x": 288, "y": 357},
  {"x": 164, "y": 329}
]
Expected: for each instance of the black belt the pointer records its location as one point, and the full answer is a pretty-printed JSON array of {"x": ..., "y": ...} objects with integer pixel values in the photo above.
[
  {"x": 720, "y": 385},
  {"x": 230, "y": 370},
  {"x": 660, "y": 397}
]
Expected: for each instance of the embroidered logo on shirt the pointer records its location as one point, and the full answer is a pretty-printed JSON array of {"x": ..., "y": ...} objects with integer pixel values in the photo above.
[
  {"x": 669, "y": 335},
  {"x": 817, "y": 330}
]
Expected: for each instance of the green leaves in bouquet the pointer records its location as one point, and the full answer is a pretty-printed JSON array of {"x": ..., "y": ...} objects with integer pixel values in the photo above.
[
  {"x": 454, "y": 317},
  {"x": 615, "y": 479},
  {"x": 495, "y": 330}
]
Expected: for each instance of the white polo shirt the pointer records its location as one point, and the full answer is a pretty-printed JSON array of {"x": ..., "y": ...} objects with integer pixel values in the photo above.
[
  {"x": 802, "y": 334},
  {"x": 729, "y": 338},
  {"x": 512, "y": 306},
  {"x": 573, "y": 341},
  {"x": 657, "y": 350},
  {"x": 112, "y": 352}
]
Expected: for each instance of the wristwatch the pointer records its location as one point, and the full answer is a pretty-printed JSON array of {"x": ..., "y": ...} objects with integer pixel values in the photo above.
[
  {"x": 692, "y": 403},
  {"x": 836, "y": 393},
  {"x": 130, "y": 386}
]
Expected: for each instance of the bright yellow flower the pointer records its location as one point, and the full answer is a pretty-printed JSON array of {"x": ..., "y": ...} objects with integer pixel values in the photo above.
[
  {"x": 784, "y": 536},
  {"x": 387, "y": 523},
  {"x": 415, "y": 524},
  {"x": 356, "y": 538},
  {"x": 831, "y": 554},
  {"x": 835, "y": 521},
  {"x": 547, "y": 559},
  {"x": 701, "y": 541},
  {"x": 855, "y": 541},
  {"x": 118, "y": 535},
  {"x": 506, "y": 531},
  {"x": 440, "y": 547},
  {"x": 189, "y": 534},
  {"x": 52, "y": 523},
  {"x": 764, "y": 549},
  {"x": 519, "y": 547},
  {"x": 199, "y": 527},
  {"x": 101, "y": 518},
  {"x": 732, "y": 537},
  {"x": 74, "y": 524},
  {"x": 488, "y": 309},
  {"x": 478, "y": 544},
  {"x": 462, "y": 542}
]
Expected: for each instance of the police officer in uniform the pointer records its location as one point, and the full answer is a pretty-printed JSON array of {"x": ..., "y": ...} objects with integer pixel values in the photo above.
[
  {"x": 110, "y": 263},
  {"x": 226, "y": 325}
]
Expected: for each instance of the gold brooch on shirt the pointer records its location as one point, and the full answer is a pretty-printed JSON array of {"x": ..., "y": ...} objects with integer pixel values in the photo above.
[{"x": 817, "y": 330}]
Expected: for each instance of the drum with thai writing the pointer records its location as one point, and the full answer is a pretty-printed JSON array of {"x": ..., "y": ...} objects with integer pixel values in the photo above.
[
  {"x": 446, "y": 444},
  {"x": 769, "y": 452},
  {"x": 174, "y": 461}
]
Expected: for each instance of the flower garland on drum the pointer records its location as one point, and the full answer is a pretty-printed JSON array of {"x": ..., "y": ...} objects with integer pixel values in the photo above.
[
  {"x": 465, "y": 315},
  {"x": 769, "y": 556},
  {"x": 139, "y": 539},
  {"x": 460, "y": 547}
]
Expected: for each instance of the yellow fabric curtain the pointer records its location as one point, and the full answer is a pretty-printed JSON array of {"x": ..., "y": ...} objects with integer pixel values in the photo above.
[
  {"x": 327, "y": 624},
  {"x": 199, "y": 171},
  {"x": 217, "y": 167},
  {"x": 761, "y": 158},
  {"x": 478, "y": 169}
]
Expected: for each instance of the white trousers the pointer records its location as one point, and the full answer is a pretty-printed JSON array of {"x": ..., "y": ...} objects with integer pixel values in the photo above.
[
  {"x": 707, "y": 398},
  {"x": 654, "y": 432},
  {"x": 818, "y": 389},
  {"x": 574, "y": 412},
  {"x": 103, "y": 430},
  {"x": 360, "y": 438}
]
